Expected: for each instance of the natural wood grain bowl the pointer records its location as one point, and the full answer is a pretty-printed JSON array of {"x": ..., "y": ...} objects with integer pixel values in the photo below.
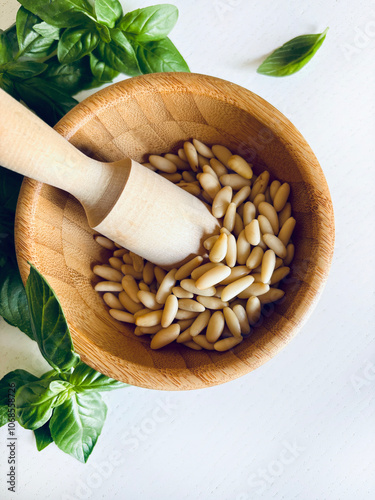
[{"x": 155, "y": 114}]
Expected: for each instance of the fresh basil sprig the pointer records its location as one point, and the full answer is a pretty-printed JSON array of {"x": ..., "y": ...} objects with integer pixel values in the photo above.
[
  {"x": 292, "y": 56},
  {"x": 63, "y": 405}
]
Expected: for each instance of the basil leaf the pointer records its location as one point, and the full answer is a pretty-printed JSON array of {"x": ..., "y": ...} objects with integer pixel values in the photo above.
[
  {"x": 156, "y": 57},
  {"x": 76, "y": 425},
  {"x": 5, "y": 49},
  {"x": 49, "y": 324},
  {"x": 29, "y": 41},
  {"x": 85, "y": 378},
  {"x": 76, "y": 43},
  {"x": 104, "y": 33},
  {"x": 150, "y": 23},
  {"x": 108, "y": 12},
  {"x": 35, "y": 402},
  {"x": 292, "y": 56},
  {"x": 101, "y": 71},
  {"x": 43, "y": 437},
  {"x": 47, "y": 30},
  {"x": 25, "y": 69},
  {"x": 47, "y": 100},
  {"x": 60, "y": 13},
  {"x": 118, "y": 54},
  {"x": 13, "y": 301},
  {"x": 8, "y": 391},
  {"x": 70, "y": 78},
  {"x": 7, "y": 84}
]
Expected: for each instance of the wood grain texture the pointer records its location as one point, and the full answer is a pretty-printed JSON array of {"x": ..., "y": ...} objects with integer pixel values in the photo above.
[{"x": 155, "y": 114}]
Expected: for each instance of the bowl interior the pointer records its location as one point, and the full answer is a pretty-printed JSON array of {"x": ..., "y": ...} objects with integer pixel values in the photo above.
[{"x": 155, "y": 114}]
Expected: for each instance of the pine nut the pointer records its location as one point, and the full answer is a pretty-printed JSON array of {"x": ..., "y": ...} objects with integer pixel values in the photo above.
[
  {"x": 275, "y": 244},
  {"x": 190, "y": 305},
  {"x": 207, "y": 169},
  {"x": 253, "y": 310},
  {"x": 287, "y": 230},
  {"x": 219, "y": 250},
  {"x": 255, "y": 258},
  {"x": 149, "y": 166},
  {"x": 259, "y": 199},
  {"x": 268, "y": 211},
  {"x": 279, "y": 262},
  {"x": 108, "y": 273},
  {"x": 191, "y": 155},
  {"x": 108, "y": 286},
  {"x": 203, "y": 162},
  {"x": 229, "y": 218},
  {"x": 241, "y": 195},
  {"x": 184, "y": 337},
  {"x": 252, "y": 232},
  {"x": 226, "y": 344},
  {"x": 238, "y": 225},
  {"x": 171, "y": 177},
  {"x": 273, "y": 188},
  {"x": 232, "y": 322},
  {"x": 188, "y": 176},
  {"x": 122, "y": 316},
  {"x": 162, "y": 164},
  {"x": 289, "y": 254},
  {"x": 210, "y": 241},
  {"x": 268, "y": 266},
  {"x": 211, "y": 302},
  {"x": 221, "y": 202},
  {"x": 231, "y": 255},
  {"x": 197, "y": 273},
  {"x": 249, "y": 213},
  {"x": 279, "y": 274},
  {"x": 240, "y": 312},
  {"x": 181, "y": 293},
  {"x": 225, "y": 230},
  {"x": 210, "y": 185},
  {"x": 169, "y": 311},
  {"x": 180, "y": 164},
  {"x": 105, "y": 242},
  {"x": 240, "y": 166},
  {"x": 129, "y": 270},
  {"x": 267, "y": 195},
  {"x": 181, "y": 314},
  {"x": 148, "y": 273},
  {"x": 235, "y": 181},
  {"x": 188, "y": 268},
  {"x": 190, "y": 188},
  {"x": 222, "y": 153},
  {"x": 200, "y": 323},
  {"x": 138, "y": 262},
  {"x": 130, "y": 287},
  {"x": 149, "y": 330},
  {"x": 255, "y": 289},
  {"x": 235, "y": 273},
  {"x": 112, "y": 301},
  {"x": 185, "y": 323},
  {"x": 193, "y": 345},
  {"x": 166, "y": 286},
  {"x": 215, "y": 327},
  {"x": 212, "y": 277},
  {"x": 218, "y": 167},
  {"x": 151, "y": 318},
  {"x": 285, "y": 213},
  {"x": 235, "y": 288},
  {"x": 203, "y": 149},
  {"x": 272, "y": 295},
  {"x": 243, "y": 248},
  {"x": 165, "y": 336},
  {"x": 203, "y": 342},
  {"x": 128, "y": 303},
  {"x": 116, "y": 263},
  {"x": 265, "y": 225},
  {"x": 190, "y": 286},
  {"x": 148, "y": 299},
  {"x": 182, "y": 155},
  {"x": 120, "y": 252},
  {"x": 281, "y": 197},
  {"x": 127, "y": 259}
]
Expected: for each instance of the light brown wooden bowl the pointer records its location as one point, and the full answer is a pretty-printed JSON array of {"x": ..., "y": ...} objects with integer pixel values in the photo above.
[{"x": 155, "y": 114}]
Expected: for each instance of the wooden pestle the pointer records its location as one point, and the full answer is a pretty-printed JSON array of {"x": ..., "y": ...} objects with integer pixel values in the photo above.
[{"x": 123, "y": 200}]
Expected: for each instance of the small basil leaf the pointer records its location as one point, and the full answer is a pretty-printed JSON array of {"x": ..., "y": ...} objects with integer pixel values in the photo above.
[
  {"x": 34, "y": 404},
  {"x": 101, "y": 71},
  {"x": 47, "y": 30},
  {"x": 29, "y": 41},
  {"x": 108, "y": 12},
  {"x": 76, "y": 43},
  {"x": 150, "y": 23},
  {"x": 104, "y": 33},
  {"x": 60, "y": 13},
  {"x": 62, "y": 389},
  {"x": 292, "y": 56},
  {"x": 9, "y": 385},
  {"x": 43, "y": 437},
  {"x": 47, "y": 100},
  {"x": 85, "y": 378},
  {"x": 49, "y": 325},
  {"x": 13, "y": 301},
  {"x": 25, "y": 69},
  {"x": 118, "y": 54},
  {"x": 76, "y": 425},
  {"x": 156, "y": 57},
  {"x": 5, "y": 49},
  {"x": 70, "y": 78}
]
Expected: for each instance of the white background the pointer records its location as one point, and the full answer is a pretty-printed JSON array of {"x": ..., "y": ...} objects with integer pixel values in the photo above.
[{"x": 302, "y": 426}]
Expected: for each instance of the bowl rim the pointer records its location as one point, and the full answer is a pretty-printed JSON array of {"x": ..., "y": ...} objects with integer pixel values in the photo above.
[{"x": 230, "y": 367}]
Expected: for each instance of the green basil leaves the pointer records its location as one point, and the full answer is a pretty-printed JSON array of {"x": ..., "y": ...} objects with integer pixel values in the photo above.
[
  {"x": 292, "y": 56},
  {"x": 151, "y": 23}
]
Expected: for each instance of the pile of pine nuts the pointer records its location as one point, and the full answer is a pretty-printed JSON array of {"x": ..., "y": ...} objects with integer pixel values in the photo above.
[{"x": 214, "y": 300}]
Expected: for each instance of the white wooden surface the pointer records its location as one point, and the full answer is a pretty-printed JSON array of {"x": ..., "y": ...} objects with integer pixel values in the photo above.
[{"x": 302, "y": 426}]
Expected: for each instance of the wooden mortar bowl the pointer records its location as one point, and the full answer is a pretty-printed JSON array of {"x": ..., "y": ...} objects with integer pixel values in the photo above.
[{"x": 155, "y": 114}]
